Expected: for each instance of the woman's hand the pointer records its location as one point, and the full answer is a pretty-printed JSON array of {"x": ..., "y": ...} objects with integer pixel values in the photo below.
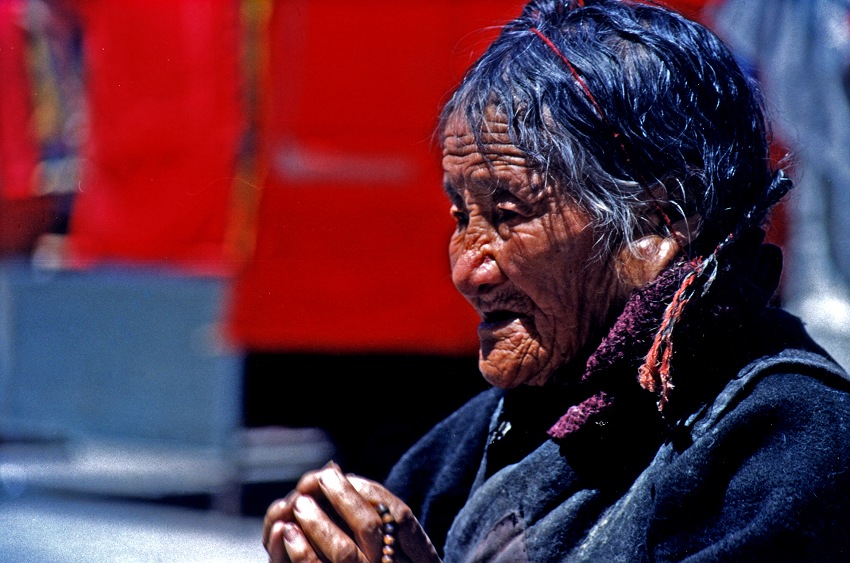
[{"x": 333, "y": 517}]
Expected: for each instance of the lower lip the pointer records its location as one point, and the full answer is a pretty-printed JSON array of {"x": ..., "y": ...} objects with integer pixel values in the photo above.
[{"x": 493, "y": 326}]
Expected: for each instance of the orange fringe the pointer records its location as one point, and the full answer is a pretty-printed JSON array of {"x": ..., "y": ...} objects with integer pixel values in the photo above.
[{"x": 654, "y": 374}]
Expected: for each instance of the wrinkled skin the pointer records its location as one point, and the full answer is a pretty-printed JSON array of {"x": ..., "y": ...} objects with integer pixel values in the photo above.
[
  {"x": 523, "y": 255},
  {"x": 332, "y": 517}
]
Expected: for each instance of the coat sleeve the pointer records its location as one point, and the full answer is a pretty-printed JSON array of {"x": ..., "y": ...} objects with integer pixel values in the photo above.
[
  {"x": 436, "y": 475},
  {"x": 769, "y": 481}
]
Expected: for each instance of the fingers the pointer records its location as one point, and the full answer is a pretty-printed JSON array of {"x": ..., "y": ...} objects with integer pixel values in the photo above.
[
  {"x": 308, "y": 533},
  {"x": 412, "y": 539},
  {"x": 274, "y": 543},
  {"x": 297, "y": 546},
  {"x": 277, "y": 513},
  {"x": 334, "y": 517},
  {"x": 281, "y": 509},
  {"x": 356, "y": 511},
  {"x": 309, "y": 482},
  {"x": 322, "y": 534}
]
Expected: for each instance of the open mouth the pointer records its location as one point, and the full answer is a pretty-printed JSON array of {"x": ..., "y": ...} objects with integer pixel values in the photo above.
[{"x": 499, "y": 317}]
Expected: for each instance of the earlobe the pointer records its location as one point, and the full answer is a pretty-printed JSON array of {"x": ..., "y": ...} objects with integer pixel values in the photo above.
[{"x": 642, "y": 261}]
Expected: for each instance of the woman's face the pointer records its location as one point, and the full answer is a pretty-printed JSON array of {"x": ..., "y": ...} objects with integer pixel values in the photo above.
[{"x": 524, "y": 258}]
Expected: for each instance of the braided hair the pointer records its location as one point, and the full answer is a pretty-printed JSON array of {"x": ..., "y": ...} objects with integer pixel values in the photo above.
[{"x": 644, "y": 119}]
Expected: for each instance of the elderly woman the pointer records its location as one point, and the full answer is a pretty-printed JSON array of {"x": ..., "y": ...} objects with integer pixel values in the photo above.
[{"x": 607, "y": 165}]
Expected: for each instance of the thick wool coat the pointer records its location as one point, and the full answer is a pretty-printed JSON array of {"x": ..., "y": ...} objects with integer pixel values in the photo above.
[{"x": 760, "y": 471}]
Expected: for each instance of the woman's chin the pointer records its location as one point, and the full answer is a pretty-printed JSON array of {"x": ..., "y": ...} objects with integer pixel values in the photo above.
[{"x": 506, "y": 372}]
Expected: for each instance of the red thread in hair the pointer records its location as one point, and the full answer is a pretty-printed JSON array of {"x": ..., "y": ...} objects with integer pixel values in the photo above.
[
  {"x": 617, "y": 137},
  {"x": 573, "y": 71}
]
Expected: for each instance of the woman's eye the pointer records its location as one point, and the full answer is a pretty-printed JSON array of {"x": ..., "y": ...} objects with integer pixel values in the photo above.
[
  {"x": 460, "y": 216},
  {"x": 506, "y": 214}
]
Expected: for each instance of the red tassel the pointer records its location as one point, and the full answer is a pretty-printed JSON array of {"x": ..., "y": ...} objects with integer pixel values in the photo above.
[{"x": 655, "y": 373}]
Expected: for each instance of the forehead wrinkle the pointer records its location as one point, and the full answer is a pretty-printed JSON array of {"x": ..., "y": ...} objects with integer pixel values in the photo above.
[
  {"x": 466, "y": 144},
  {"x": 497, "y": 151},
  {"x": 492, "y": 135},
  {"x": 483, "y": 161}
]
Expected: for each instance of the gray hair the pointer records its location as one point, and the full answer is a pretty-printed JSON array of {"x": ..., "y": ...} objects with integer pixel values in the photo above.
[{"x": 682, "y": 131}]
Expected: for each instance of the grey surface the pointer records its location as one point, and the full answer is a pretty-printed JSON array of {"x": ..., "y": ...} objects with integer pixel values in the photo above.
[
  {"x": 117, "y": 391},
  {"x": 55, "y": 528}
]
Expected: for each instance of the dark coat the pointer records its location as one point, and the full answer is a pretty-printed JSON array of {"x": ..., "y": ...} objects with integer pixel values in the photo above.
[{"x": 759, "y": 472}]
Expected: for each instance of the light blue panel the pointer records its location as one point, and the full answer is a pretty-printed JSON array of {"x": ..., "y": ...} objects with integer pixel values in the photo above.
[{"x": 117, "y": 353}]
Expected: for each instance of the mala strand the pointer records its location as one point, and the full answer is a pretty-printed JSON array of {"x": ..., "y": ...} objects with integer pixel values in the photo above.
[{"x": 388, "y": 527}]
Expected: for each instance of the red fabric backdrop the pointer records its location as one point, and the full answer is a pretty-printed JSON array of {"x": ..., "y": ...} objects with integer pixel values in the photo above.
[
  {"x": 353, "y": 225},
  {"x": 164, "y": 105},
  {"x": 23, "y": 216},
  {"x": 18, "y": 151}
]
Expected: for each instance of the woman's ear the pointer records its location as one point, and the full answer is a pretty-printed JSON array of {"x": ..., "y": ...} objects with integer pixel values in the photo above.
[{"x": 642, "y": 261}]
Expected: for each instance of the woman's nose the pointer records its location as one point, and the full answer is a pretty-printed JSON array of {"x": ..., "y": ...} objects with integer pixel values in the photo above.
[{"x": 475, "y": 270}]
